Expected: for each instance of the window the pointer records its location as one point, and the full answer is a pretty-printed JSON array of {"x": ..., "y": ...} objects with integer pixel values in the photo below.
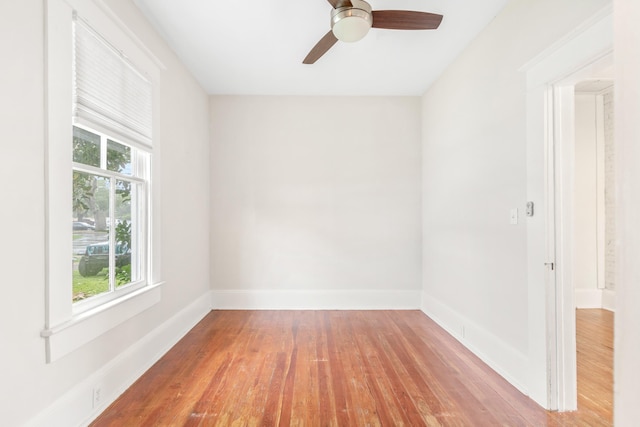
[
  {"x": 109, "y": 217},
  {"x": 101, "y": 160}
]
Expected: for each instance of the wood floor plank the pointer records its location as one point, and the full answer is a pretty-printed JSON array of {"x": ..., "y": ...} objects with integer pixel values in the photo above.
[
  {"x": 348, "y": 368},
  {"x": 337, "y": 373}
]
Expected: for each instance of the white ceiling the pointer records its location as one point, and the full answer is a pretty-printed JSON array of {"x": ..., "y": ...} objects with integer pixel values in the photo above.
[{"x": 257, "y": 46}]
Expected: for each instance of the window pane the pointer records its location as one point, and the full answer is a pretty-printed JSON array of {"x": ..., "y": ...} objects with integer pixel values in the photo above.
[
  {"x": 86, "y": 147},
  {"x": 90, "y": 235},
  {"x": 126, "y": 226},
  {"x": 118, "y": 157}
]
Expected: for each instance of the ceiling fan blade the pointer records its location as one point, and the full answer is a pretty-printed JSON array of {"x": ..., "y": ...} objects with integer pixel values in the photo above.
[
  {"x": 320, "y": 48},
  {"x": 405, "y": 20},
  {"x": 340, "y": 3}
]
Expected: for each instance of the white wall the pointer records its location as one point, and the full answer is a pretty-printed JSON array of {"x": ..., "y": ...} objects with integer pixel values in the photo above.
[
  {"x": 627, "y": 95},
  {"x": 29, "y": 386},
  {"x": 474, "y": 171},
  {"x": 594, "y": 201},
  {"x": 315, "y": 202},
  {"x": 585, "y": 200},
  {"x": 587, "y": 204}
]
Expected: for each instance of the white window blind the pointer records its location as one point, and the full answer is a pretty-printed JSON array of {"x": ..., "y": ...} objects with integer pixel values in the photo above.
[{"x": 109, "y": 93}]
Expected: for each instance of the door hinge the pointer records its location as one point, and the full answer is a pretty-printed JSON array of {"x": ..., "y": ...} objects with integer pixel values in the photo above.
[{"x": 550, "y": 265}]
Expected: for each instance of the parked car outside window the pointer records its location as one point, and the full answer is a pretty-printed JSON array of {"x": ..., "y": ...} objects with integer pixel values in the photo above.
[
  {"x": 79, "y": 225},
  {"x": 96, "y": 257}
]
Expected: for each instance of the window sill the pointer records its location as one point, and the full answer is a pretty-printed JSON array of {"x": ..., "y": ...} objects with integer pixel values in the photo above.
[{"x": 66, "y": 337}]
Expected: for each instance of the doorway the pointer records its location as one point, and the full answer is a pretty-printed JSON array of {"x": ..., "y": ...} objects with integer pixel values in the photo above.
[
  {"x": 568, "y": 243},
  {"x": 551, "y": 79},
  {"x": 594, "y": 240}
]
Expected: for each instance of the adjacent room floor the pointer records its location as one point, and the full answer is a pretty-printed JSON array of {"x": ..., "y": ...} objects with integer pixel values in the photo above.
[{"x": 340, "y": 368}]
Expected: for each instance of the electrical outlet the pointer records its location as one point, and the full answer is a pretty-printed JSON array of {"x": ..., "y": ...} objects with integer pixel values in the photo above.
[{"x": 97, "y": 396}]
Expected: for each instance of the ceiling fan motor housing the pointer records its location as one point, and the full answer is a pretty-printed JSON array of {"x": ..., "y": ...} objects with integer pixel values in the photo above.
[{"x": 351, "y": 24}]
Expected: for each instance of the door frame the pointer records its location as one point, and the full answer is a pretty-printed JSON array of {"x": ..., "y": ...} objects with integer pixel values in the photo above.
[{"x": 551, "y": 77}]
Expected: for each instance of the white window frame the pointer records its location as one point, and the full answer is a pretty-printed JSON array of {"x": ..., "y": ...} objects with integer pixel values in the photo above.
[
  {"x": 67, "y": 328},
  {"x": 140, "y": 176}
]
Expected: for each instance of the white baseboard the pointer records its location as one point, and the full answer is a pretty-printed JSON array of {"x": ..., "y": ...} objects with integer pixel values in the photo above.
[
  {"x": 588, "y": 298},
  {"x": 501, "y": 357},
  {"x": 609, "y": 300},
  {"x": 315, "y": 300},
  {"x": 75, "y": 408}
]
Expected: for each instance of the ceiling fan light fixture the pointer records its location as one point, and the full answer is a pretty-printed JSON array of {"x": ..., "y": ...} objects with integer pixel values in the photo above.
[
  {"x": 352, "y": 19},
  {"x": 350, "y": 24}
]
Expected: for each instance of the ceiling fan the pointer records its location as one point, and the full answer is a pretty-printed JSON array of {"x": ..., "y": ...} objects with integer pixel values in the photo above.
[{"x": 352, "y": 19}]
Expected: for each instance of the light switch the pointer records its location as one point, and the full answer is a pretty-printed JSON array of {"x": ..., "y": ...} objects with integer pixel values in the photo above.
[{"x": 513, "y": 219}]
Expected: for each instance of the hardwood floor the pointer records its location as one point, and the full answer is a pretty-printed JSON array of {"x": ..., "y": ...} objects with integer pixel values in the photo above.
[
  {"x": 594, "y": 343},
  {"x": 340, "y": 368}
]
